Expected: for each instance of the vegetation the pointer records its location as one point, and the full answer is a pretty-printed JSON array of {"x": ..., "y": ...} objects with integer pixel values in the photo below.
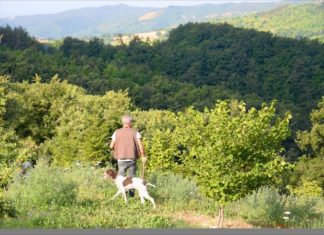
[
  {"x": 108, "y": 21},
  {"x": 225, "y": 153},
  {"x": 86, "y": 203},
  {"x": 310, "y": 166},
  {"x": 228, "y": 151},
  {"x": 53, "y": 134},
  {"x": 267, "y": 208},
  {"x": 197, "y": 65},
  {"x": 295, "y": 21},
  {"x": 78, "y": 197}
]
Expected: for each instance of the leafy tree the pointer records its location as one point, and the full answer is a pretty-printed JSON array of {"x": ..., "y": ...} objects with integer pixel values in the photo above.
[
  {"x": 296, "y": 21},
  {"x": 196, "y": 66},
  {"x": 310, "y": 167},
  {"x": 33, "y": 109},
  {"x": 83, "y": 130},
  {"x": 8, "y": 140},
  {"x": 313, "y": 141},
  {"x": 17, "y": 38},
  {"x": 228, "y": 150}
]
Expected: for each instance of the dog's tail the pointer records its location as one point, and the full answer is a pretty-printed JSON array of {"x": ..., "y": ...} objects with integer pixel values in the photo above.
[{"x": 151, "y": 185}]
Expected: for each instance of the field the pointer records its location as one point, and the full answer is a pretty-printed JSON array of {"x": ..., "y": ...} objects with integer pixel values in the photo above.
[{"x": 78, "y": 197}]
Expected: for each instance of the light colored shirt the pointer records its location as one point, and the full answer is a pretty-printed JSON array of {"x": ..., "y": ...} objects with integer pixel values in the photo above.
[{"x": 138, "y": 136}]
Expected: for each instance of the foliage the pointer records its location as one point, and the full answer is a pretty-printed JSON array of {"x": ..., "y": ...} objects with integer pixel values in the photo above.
[
  {"x": 8, "y": 140},
  {"x": 88, "y": 204},
  {"x": 127, "y": 20},
  {"x": 65, "y": 124},
  {"x": 310, "y": 167},
  {"x": 308, "y": 189},
  {"x": 6, "y": 207},
  {"x": 85, "y": 127},
  {"x": 267, "y": 208},
  {"x": 35, "y": 108},
  {"x": 197, "y": 65},
  {"x": 228, "y": 150},
  {"x": 296, "y": 21},
  {"x": 17, "y": 38},
  {"x": 313, "y": 141},
  {"x": 185, "y": 191}
]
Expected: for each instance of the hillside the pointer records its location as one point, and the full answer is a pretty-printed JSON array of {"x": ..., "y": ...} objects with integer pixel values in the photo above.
[
  {"x": 294, "y": 21},
  {"x": 196, "y": 65},
  {"x": 123, "y": 19}
]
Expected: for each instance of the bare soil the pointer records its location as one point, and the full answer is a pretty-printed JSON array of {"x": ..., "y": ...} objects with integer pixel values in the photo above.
[{"x": 205, "y": 221}]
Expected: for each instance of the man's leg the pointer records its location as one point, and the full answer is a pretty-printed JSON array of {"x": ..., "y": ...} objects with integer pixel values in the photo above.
[
  {"x": 122, "y": 167},
  {"x": 131, "y": 170}
]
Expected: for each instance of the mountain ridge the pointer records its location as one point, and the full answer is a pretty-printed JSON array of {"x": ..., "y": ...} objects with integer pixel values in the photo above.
[
  {"x": 295, "y": 21},
  {"x": 97, "y": 21}
]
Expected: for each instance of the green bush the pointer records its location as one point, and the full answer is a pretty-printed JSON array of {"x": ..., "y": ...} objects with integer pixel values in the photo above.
[
  {"x": 173, "y": 188},
  {"x": 308, "y": 188},
  {"x": 6, "y": 207},
  {"x": 267, "y": 208},
  {"x": 43, "y": 186}
]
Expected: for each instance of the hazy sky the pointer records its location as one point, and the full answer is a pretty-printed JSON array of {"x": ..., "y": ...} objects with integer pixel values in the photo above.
[{"x": 25, "y": 7}]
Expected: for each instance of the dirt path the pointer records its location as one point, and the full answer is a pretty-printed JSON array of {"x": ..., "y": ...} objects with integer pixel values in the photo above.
[{"x": 205, "y": 221}]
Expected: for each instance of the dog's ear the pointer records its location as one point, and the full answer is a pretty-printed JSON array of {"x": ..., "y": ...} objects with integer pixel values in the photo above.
[{"x": 112, "y": 174}]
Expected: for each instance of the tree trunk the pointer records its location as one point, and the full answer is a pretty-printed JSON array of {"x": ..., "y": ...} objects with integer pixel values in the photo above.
[{"x": 220, "y": 217}]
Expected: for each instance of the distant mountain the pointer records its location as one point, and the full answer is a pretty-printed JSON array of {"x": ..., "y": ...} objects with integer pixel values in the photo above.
[
  {"x": 294, "y": 21},
  {"x": 123, "y": 19}
]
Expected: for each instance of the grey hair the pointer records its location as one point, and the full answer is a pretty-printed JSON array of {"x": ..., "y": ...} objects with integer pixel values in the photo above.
[{"x": 126, "y": 119}]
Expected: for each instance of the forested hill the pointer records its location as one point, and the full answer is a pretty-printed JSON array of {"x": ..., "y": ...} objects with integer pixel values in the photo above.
[
  {"x": 294, "y": 21},
  {"x": 197, "y": 65},
  {"x": 124, "y": 19}
]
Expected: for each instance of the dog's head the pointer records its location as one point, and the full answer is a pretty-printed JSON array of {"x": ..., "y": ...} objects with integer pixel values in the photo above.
[{"x": 110, "y": 174}]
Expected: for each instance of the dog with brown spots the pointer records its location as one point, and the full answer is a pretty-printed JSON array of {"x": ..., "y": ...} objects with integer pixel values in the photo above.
[{"x": 125, "y": 183}]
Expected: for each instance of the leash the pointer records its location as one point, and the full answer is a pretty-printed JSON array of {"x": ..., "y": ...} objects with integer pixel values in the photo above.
[{"x": 143, "y": 170}]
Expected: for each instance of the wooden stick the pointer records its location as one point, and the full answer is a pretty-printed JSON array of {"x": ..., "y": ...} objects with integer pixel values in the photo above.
[{"x": 143, "y": 169}]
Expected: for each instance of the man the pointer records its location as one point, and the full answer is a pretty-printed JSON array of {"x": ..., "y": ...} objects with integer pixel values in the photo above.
[{"x": 127, "y": 145}]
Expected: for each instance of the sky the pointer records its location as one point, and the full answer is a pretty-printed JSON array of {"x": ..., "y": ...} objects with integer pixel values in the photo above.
[{"x": 25, "y": 7}]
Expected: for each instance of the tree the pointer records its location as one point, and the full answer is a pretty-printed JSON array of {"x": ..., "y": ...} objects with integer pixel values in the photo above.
[
  {"x": 312, "y": 142},
  {"x": 310, "y": 167},
  {"x": 8, "y": 140},
  {"x": 228, "y": 150},
  {"x": 84, "y": 128},
  {"x": 33, "y": 109}
]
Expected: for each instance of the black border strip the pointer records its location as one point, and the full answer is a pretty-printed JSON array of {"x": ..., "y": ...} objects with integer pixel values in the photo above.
[{"x": 166, "y": 232}]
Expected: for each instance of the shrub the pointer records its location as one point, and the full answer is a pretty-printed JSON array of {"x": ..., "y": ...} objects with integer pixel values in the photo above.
[
  {"x": 41, "y": 187},
  {"x": 6, "y": 207},
  {"x": 266, "y": 207},
  {"x": 173, "y": 188},
  {"x": 308, "y": 188}
]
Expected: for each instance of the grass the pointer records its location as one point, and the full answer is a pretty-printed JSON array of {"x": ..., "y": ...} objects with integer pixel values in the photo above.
[
  {"x": 266, "y": 208},
  {"x": 78, "y": 197}
]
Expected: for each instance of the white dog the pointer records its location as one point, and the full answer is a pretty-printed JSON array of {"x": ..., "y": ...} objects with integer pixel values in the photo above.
[{"x": 125, "y": 183}]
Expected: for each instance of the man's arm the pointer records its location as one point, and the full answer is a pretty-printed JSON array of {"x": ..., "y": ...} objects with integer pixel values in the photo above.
[
  {"x": 141, "y": 148},
  {"x": 113, "y": 140},
  {"x": 112, "y": 144}
]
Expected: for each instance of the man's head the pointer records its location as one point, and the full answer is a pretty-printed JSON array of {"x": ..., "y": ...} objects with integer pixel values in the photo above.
[{"x": 127, "y": 121}]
